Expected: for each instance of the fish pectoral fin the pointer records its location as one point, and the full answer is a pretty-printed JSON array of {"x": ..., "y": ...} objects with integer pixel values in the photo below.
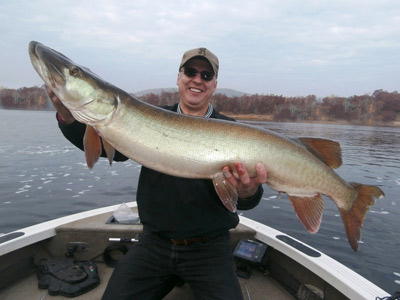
[
  {"x": 92, "y": 146},
  {"x": 309, "y": 211},
  {"x": 110, "y": 150},
  {"x": 329, "y": 152},
  {"x": 226, "y": 192}
]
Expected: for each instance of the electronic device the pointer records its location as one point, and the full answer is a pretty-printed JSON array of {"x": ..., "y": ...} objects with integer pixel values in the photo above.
[{"x": 250, "y": 251}]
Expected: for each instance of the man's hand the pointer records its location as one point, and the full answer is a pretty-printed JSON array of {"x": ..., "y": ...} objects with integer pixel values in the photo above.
[
  {"x": 62, "y": 111},
  {"x": 246, "y": 186}
]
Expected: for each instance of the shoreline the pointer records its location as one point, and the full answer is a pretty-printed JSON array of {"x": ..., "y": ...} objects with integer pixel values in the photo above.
[{"x": 268, "y": 118}]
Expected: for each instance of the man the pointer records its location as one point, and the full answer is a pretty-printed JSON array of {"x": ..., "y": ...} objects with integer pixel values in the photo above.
[{"x": 185, "y": 225}]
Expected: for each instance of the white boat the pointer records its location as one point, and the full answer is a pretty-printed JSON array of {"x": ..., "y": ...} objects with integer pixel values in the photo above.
[{"x": 289, "y": 269}]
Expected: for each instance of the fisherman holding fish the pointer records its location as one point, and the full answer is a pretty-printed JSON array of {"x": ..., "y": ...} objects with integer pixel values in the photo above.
[{"x": 186, "y": 227}]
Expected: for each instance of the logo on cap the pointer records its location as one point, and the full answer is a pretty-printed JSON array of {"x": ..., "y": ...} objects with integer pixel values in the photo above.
[{"x": 202, "y": 51}]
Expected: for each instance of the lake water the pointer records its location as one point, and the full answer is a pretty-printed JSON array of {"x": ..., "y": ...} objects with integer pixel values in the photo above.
[{"x": 43, "y": 176}]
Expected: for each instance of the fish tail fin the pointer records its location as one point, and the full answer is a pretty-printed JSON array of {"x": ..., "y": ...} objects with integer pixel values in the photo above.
[{"x": 353, "y": 219}]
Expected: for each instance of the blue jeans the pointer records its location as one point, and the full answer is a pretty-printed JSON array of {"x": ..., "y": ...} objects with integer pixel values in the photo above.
[{"x": 152, "y": 267}]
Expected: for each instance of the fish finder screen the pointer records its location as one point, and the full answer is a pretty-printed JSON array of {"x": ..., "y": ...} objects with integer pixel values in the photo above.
[
  {"x": 250, "y": 251},
  {"x": 246, "y": 249}
]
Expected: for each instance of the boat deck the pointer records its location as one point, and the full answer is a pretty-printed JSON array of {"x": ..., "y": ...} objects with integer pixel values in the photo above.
[
  {"x": 259, "y": 286},
  {"x": 96, "y": 232}
]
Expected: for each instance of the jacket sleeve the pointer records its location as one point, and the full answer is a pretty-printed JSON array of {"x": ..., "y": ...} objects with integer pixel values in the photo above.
[
  {"x": 251, "y": 202},
  {"x": 75, "y": 132}
]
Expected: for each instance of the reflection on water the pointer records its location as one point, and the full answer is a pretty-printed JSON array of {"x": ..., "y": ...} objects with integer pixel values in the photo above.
[{"x": 43, "y": 177}]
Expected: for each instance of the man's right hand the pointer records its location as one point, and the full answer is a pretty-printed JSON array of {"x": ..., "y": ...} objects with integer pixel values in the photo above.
[{"x": 63, "y": 113}]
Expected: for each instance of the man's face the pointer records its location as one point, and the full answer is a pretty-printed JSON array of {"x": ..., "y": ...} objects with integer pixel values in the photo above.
[{"x": 195, "y": 92}]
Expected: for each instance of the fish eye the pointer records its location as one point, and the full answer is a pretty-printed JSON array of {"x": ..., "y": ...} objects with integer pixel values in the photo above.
[{"x": 74, "y": 71}]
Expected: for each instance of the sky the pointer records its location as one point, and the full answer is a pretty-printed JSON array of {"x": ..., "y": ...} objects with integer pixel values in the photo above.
[{"x": 289, "y": 48}]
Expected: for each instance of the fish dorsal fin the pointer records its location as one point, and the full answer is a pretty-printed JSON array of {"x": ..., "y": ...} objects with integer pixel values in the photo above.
[
  {"x": 329, "y": 152},
  {"x": 92, "y": 146},
  {"x": 226, "y": 192},
  {"x": 110, "y": 150},
  {"x": 309, "y": 211}
]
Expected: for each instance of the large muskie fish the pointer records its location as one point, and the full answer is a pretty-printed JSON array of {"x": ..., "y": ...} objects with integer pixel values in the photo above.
[{"x": 192, "y": 147}]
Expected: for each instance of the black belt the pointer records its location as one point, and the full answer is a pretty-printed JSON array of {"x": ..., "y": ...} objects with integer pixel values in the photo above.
[
  {"x": 190, "y": 241},
  {"x": 185, "y": 241}
]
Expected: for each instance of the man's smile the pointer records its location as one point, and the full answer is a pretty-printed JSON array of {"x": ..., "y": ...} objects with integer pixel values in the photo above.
[{"x": 195, "y": 90}]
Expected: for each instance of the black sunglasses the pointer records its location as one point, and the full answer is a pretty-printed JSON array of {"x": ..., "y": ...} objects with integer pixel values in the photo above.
[{"x": 192, "y": 72}]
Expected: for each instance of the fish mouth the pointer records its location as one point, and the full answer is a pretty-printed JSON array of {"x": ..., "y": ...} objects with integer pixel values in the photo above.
[
  {"x": 36, "y": 61},
  {"x": 32, "y": 49},
  {"x": 47, "y": 62},
  {"x": 55, "y": 74},
  {"x": 53, "y": 67}
]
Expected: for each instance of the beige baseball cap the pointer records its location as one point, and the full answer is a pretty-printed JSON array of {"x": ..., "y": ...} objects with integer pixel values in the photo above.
[{"x": 202, "y": 53}]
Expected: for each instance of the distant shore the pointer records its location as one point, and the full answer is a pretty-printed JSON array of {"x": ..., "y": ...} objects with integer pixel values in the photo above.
[{"x": 268, "y": 118}]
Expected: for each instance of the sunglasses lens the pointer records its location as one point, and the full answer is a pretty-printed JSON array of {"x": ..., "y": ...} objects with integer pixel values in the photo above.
[
  {"x": 190, "y": 72},
  {"x": 205, "y": 75}
]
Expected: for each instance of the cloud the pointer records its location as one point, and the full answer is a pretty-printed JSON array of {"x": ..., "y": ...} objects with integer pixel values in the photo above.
[{"x": 275, "y": 44}]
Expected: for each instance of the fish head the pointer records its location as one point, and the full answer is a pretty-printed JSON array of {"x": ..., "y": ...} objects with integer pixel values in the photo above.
[{"x": 90, "y": 99}]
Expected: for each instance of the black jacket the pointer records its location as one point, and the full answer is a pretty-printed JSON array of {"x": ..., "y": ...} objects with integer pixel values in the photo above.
[{"x": 172, "y": 206}]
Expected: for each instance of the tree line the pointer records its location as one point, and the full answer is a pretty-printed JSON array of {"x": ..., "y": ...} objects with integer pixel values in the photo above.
[
  {"x": 29, "y": 98},
  {"x": 380, "y": 107}
]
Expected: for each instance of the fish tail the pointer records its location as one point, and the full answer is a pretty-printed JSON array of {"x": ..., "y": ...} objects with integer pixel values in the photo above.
[{"x": 353, "y": 219}]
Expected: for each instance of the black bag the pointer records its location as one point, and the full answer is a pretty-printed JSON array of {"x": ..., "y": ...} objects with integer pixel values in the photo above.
[{"x": 67, "y": 277}]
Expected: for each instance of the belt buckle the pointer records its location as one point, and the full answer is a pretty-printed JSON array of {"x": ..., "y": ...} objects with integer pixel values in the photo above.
[
  {"x": 189, "y": 241},
  {"x": 183, "y": 242}
]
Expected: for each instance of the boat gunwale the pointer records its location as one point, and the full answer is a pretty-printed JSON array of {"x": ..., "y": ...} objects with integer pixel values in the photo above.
[
  {"x": 345, "y": 280},
  {"x": 342, "y": 278},
  {"x": 45, "y": 230}
]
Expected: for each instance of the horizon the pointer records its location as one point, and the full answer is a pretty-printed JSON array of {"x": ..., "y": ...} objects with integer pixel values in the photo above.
[{"x": 230, "y": 92}]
